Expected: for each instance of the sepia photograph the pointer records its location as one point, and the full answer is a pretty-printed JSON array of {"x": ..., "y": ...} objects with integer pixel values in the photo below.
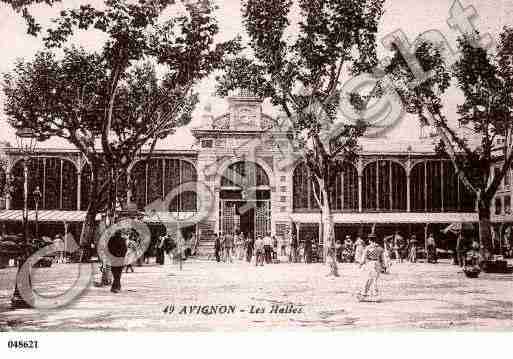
[{"x": 243, "y": 166}]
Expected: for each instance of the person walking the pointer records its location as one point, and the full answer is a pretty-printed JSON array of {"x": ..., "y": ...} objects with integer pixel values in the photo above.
[
  {"x": 293, "y": 249},
  {"x": 359, "y": 247},
  {"x": 347, "y": 251},
  {"x": 460, "y": 250},
  {"x": 308, "y": 250},
  {"x": 283, "y": 246},
  {"x": 397, "y": 242},
  {"x": 259, "y": 251},
  {"x": 235, "y": 249},
  {"x": 268, "y": 242},
  {"x": 161, "y": 250},
  {"x": 372, "y": 264},
  {"x": 117, "y": 246},
  {"x": 250, "y": 245},
  {"x": 431, "y": 249},
  {"x": 217, "y": 248},
  {"x": 228, "y": 247},
  {"x": 412, "y": 256},
  {"x": 275, "y": 248}
]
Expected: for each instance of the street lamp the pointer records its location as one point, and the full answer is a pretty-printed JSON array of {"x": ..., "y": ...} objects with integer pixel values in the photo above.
[
  {"x": 27, "y": 142},
  {"x": 37, "y": 197}
]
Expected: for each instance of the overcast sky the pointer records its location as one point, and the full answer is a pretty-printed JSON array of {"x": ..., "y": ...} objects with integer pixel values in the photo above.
[{"x": 411, "y": 16}]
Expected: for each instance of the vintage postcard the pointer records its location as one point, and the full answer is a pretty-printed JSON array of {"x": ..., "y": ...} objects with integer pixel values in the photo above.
[{"x": 249, "y": 165}]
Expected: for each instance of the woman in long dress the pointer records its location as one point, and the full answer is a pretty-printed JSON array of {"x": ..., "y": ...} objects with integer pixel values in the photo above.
[
  {"x": 372, "y": 263},
  {"x": 359, "y": 247}
]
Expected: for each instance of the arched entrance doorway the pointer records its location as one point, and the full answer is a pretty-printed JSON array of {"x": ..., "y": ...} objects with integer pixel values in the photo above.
[{"x": 245, "y": 200}]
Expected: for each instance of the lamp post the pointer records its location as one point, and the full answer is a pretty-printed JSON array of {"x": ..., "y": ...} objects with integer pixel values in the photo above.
[
  {"x": 27, "y": 142},
  {"x": 37, "y": 197}
]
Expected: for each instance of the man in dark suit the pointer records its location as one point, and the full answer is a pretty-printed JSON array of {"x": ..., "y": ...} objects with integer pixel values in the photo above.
[{"x": 117, "y": 247}]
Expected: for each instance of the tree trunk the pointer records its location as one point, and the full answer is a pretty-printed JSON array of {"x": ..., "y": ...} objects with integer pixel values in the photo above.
[
  {"x": 485, "y": 235},
  {"x": 328, "y": 233},
  {"x": 87, "y": 235}
]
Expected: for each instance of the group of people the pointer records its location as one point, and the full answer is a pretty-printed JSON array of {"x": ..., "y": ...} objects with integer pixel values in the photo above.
[
  {"x": 241, "y": 247},
  {"x": 395, "y": 247},
  {"x": 174, "y": 247}
]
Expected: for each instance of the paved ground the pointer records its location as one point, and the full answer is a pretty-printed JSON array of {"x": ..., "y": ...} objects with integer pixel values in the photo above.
[{"x": 414, "y": 296}]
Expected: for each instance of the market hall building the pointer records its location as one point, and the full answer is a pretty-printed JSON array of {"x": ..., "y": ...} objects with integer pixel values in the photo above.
[{"x": 249, "y": 174}]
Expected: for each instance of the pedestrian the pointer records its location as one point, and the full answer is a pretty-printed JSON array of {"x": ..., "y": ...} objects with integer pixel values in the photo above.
[
  {"x": 332, "y": 262},
  {"x": 412, "y": 256},
  {"x": 161, "y": 250},
  {"x": 169, "y": 247},
  {"x": 283, "y": 246},
  {"x": 217, "y": 248},
  {"x": 250, "y": 245},
  {"x": 372, "y": 264},
  {"x": 359, "y": 246},
  {"x": 275, "y": 248},
  {"x": 431, "y": 249},
  {"x": 268, "y": 242},
  {"x": 308, "y": 250},
  {"x": 347, "y": 251},
  {"x": 387, "y": 262},
  {"x": 117, "y": 246},
  {"x": 259, "y": 251},
  {"x": 460, "y": 250},
  {"x": 293, "y": 249},
  {"x": 396, "y": 246},
  {"x": 60, "y": 254},
  {"x": 228, "y": 247}
]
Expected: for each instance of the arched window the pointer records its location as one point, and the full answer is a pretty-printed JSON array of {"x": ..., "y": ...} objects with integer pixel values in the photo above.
[
  {"x": 435, "y": 187},
  {"x": 302, "y": 189},
  {"x": 384, "y": 186},
  {"x": 301, "y": 184},
  {"x": 244, "y": 173},
  {"x": 418, "y": 185},
  {"x": 350, "y": 186},
  {"x": 155, "y": 179},
  {"x": 344, "y": 192},
  {"x": 56, "y": 179}
]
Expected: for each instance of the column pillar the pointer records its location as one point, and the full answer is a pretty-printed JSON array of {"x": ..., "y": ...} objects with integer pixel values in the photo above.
[
  {"x": 408, "y": 193},
  {"x": 79, "y": 190},
  {"x": 360, "y": 199}
]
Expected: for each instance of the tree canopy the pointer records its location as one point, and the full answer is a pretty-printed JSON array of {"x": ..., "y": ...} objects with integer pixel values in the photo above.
[
  {"x": 485, "y": 78},
  {"x": 112, "y": 102},
  {"x": 301, "y": 75}
]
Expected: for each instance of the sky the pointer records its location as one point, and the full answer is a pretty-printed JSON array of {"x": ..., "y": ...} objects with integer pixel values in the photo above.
[{"x": 411, "y": 16}]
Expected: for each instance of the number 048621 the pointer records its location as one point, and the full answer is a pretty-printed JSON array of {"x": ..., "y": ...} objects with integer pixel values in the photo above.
[{"x": 22, "y": 344}]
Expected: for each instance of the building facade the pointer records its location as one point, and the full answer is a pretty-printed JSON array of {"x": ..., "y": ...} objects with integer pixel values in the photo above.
[{"x": 243, "y": 175}]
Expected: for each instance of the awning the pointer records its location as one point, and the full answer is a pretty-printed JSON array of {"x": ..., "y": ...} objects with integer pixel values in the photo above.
[
  {"x": 170, "y": 217},
  {"x": 12, "y": 215},
  {"x": 79, "y": 216},
  {"x": 385, "y": 218}
]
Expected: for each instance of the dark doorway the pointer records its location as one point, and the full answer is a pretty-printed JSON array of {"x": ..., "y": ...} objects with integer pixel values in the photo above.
[{"x": 247, "y": 221}]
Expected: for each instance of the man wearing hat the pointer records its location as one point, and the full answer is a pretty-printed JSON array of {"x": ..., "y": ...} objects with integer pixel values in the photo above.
[{"x": 372, "y": 262}]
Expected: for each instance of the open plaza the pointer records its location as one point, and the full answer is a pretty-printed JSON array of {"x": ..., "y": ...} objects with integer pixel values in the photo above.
[{"x": 210, "y": 296}]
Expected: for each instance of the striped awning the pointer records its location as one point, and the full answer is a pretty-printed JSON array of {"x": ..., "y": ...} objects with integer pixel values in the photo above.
[
  {"x": 383, "y": 218},
  {"x": 43, "y": 216}
]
